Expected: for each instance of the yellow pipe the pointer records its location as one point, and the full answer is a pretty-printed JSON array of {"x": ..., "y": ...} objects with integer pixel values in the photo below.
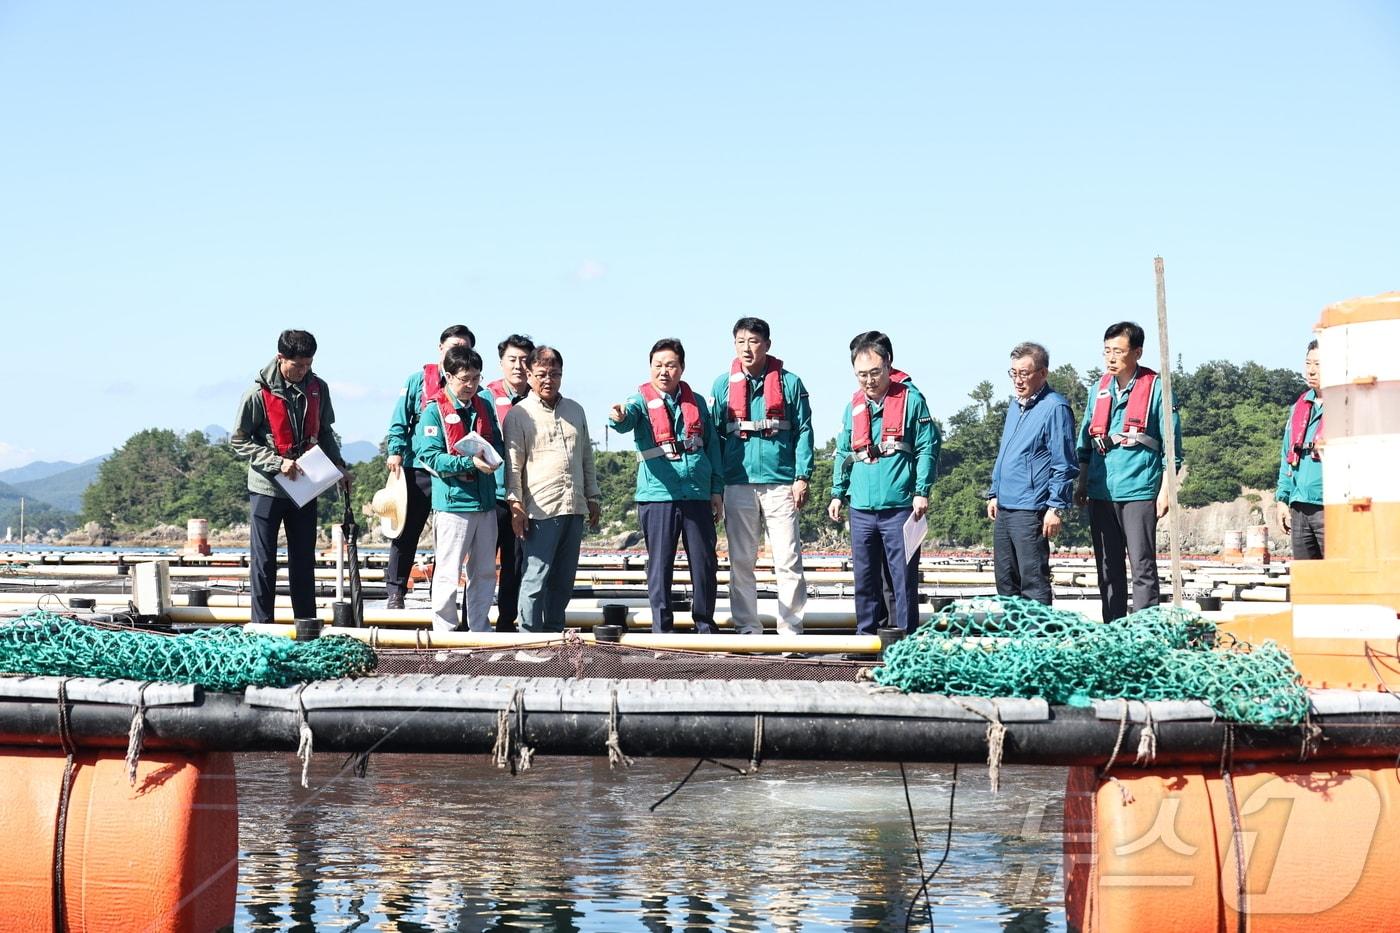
[{"x": 733, "y": 644}]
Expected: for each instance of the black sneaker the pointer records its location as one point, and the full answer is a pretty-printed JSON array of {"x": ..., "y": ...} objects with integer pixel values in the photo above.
[
  {"x": 507, "y": 627},
  {"x": 395, "y": 601}
]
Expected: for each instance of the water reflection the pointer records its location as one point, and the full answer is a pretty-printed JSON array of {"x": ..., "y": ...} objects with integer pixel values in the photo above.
[{"x": 432, "y": 843}]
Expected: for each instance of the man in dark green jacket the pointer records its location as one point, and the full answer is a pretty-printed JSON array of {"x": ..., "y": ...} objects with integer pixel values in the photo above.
[{"x": 286, "y": 413}]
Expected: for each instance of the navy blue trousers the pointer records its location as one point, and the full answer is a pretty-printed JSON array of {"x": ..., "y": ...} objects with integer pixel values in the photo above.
[
  {"x": 663, "y": 525},
  {"x": 1022, "y": 555},
  {"x": 403, "y": 550},
  {"x": 510, "y": 557},
  {"x": 877, "y": 537},
  {"x": 266, "y": 515}
]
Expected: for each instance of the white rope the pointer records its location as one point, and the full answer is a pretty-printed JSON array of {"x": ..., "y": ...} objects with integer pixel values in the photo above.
[
  {"x": 305, "y": 740},
  {"x": 1147, "y": 742},
  {"x": 136, "y": 735},
  {"x": 616, "y": 756}
]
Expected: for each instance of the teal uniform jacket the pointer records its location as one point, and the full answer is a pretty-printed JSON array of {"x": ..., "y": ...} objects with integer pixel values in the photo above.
[
  {"x": 458, "y": 486},
  {"x": 892, "y": 481},
  {"x": 1125, "y": 474},
  {"x": 403, "y": 423},
  {"x": 783, "y": 458},
  {"x": 1302, "y": 483},
  {"x": 697, "y": 475}
]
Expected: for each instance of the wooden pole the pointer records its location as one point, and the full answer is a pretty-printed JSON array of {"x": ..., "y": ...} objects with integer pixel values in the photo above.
[{"x": 1168, "y": 434}]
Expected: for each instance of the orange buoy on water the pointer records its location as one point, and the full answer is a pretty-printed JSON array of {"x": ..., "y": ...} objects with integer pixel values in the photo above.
[
  {"x": 197, "y": 536},
  {"x": 159, "y": 855},
  {"x": 1257, "y": 544},
  {"x": 1306, "y": 847}
]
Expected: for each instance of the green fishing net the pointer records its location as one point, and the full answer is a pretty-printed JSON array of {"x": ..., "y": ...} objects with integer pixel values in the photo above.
[
  {"x": 221, "y": 659},
  {"x": 1013, "y": 647}
]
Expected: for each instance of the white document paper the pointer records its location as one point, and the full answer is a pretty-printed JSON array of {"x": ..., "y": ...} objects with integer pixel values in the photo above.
[
  {"x": 474, "y": 444},
  {"x": 914, "y": 533},
  {"x": 317, "y": 475}
]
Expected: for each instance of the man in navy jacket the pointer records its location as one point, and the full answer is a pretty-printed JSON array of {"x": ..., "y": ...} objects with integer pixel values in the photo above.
[{"x": 1033, "y": 478}]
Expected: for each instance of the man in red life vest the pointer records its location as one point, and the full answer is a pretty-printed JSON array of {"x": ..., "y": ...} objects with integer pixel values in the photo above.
[
  {"x": 765, "y": 427},
  {"x": 286, "y": 413},
  {"x": 1121, "y": 465},
  {"x": 885, "y": 609},
  {"x": 886, "y": 461},
  {"x": 504, "y": 394},
  {"x": 1299, "y": 492},
  {"x": 464, "y": 491},
  {"x": 418, "y": 390},
  {"x": 680, "y": 483}
]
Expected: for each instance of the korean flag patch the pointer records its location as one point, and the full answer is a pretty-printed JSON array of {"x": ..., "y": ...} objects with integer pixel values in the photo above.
[{"x": 430, "y": 430}]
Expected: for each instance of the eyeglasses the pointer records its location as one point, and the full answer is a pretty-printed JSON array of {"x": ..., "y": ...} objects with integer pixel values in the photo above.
[
  {"x": 1116, "y": 353},
  {"x": 548, "y": 375},
  {"x": 464, "y": 377},
  {"x": 1019, "y": 376}
]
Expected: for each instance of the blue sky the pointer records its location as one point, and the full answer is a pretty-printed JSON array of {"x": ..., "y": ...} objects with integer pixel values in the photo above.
[{"x": 180, "y": 181}]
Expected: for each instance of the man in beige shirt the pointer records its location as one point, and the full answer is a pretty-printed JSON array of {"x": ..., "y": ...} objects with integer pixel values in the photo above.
[{"x": 550, "y": 485}]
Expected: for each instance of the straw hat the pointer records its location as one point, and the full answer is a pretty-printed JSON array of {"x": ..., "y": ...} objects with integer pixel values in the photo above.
[{"x": 390, "y": 505}]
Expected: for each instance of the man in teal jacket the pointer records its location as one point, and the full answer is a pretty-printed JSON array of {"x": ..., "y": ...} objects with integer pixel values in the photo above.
[
  {"x": 504, "y": 393},
  {"x": 1299, "y": 492},
  {"x": 886, "y": 461},
  {"x": 417, "y": 390},
  {"x": 765, "y": 425},
  {"x": 1121, "y": 463},
  {"x": 464, "y": 490},
  {"x": 680, "y": 483}
]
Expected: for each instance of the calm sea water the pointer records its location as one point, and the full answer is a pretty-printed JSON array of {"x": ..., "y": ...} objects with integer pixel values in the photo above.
[{"x": 451, "y": 843}]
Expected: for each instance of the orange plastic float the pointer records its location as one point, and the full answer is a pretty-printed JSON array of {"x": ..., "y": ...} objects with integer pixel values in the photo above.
[
  {"x": 161, "y": 855},
  {"x": 1157, "y": 849}
]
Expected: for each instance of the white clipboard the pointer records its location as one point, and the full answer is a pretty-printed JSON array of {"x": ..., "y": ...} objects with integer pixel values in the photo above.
[
  {"x": 914, "y": 534},
  {"x": 316, "y": 476}
]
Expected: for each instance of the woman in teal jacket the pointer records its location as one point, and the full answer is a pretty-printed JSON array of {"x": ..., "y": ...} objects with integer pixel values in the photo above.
[{"x": 464, "y": 491}]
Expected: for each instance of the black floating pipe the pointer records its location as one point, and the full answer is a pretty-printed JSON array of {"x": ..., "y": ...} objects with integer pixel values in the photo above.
[{"x": 1070, "y": 737}]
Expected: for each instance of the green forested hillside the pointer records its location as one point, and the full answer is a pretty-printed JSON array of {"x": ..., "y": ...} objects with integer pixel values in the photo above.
[
  {"x": 1232, "y": 418},
  {"x": 38, "y": 516}
]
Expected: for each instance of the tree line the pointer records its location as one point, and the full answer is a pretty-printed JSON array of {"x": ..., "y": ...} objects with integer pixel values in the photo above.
[{"x": 1232, "y": 418}]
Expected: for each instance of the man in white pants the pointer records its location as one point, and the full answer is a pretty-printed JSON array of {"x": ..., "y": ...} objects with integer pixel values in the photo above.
[
  {"x": 464, "y": 491},
  {"x": 765, "y": 425}
]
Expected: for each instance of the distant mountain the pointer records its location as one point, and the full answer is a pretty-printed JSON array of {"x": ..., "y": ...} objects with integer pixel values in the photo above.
[
  {"x": 359, "y": 451},
  {"x": 215, "y": 434},
  {"x": 37, "y": 515},
  {"x": 42, "y": 469},
  {"x": 62, "y": 490}
]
